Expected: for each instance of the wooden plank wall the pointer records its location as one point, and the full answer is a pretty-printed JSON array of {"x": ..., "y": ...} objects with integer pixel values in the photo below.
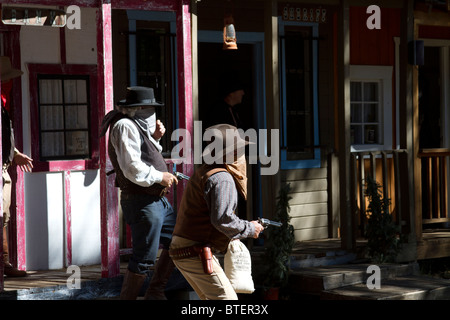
[{"x": 309, "y": 204}]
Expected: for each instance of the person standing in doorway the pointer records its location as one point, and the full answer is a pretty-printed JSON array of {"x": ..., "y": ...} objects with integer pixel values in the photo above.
[
  {"x": 225, "y": 111},
  {"x": 141, "y": 174}
]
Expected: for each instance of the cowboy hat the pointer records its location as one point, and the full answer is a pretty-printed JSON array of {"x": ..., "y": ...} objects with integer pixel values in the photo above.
[
  {"x": 227, "y": 142},
  {"x": 139, "y": 97},
  {"x": 7, "y": 72}
]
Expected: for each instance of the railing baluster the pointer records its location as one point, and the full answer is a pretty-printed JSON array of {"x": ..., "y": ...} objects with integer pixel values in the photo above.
[
  {"x": 362, "y": 199},
  {"x": 443, "y": 186},
  {"x": 429, "y": 175},
  {"x": 397, "y": 183},
  {"x": 435, "y": 185}
]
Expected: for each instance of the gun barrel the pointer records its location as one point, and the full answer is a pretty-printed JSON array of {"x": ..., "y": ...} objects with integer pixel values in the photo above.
[
  {"x": 267, "y": 222},
  {"x": 179, "y": 175}
]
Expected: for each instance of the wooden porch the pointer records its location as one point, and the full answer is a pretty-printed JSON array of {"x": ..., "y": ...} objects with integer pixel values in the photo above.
[
  {"x": 427, "y": 228},
  {"x": 52, "y": 285}
]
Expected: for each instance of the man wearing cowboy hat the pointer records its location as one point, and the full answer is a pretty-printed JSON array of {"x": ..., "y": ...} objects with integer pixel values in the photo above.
[
  {"x": 206, "y": 218},
  {"x": 10, "y": 155},
  {"x": 141, "y": 175}
]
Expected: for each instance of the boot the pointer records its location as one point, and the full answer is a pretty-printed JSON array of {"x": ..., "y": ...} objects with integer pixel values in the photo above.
[
  {"x": 163, "y": 270},
  {"x": 132, "y": 283},
  {"x": 9, "y": 270}
]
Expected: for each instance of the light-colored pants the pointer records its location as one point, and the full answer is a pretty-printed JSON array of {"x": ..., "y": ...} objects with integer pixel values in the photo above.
[{"x": 215, "y": 286}]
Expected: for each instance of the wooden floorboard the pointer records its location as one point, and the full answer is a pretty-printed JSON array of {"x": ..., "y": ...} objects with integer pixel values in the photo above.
[{"x": 50, "y": 278}]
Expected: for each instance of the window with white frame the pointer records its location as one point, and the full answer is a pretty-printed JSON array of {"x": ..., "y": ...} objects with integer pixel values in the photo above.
[
  {"x": 370, "y": 108},
  {"x": 63, "y": 117}
]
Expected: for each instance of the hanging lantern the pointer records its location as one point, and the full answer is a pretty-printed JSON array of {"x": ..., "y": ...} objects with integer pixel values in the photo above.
[{"x": 229, "y": 34}]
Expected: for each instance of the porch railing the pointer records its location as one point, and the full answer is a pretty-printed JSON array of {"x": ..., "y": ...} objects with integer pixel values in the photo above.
[
  {"x": 435, "y": 185},
  {"x": 390, "y": 170}
]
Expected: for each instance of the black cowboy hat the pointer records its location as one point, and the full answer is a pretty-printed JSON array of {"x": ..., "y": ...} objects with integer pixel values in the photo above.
[{"x": 139, "y": 97}]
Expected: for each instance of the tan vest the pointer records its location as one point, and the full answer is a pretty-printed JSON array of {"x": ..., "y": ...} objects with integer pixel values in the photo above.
[{"x": 193, "y": 220}]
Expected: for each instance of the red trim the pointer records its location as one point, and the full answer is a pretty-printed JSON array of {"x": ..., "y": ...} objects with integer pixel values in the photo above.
[
  {"x": 109, "y": 212},
  {"x": 185, "y": 80},
  {"x": 154, "y": 5},
  {"x": 81, "y": 3},
  {"x": 2, "y": 279},
  {"x": 434, "y": 32},
  {"x": 163, "y": 5},
  {"x": 68, "y": 69}
]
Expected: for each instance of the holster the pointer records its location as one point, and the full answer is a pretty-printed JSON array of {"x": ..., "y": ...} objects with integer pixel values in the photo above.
[
  {"x": 206, "y": 258},
  {"x": 204, "y": 252}
]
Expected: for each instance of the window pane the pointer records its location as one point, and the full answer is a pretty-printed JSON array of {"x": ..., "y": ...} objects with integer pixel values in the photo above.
[
  {"x": 77, "y": 143},
  {"x": 76, "y": 117},
  {"x": 356, "y": 134},
  {"x": 50, "y": 91},
  {"x": 371, "y": 91},
  {"x": 52, "y": 144},
  {"x": 356, "y": 112},
  {"x": 371, "y": 134},
  {"x": 64, "y": 117},
  {"x": 364, "y": 113},
  {"x": 355, "y": 91},
  {"x": 51, "y": 118},
  {"x": 370, "y": 113},
  {"x": 75, "y": 91},
  {"x": 299, "y": 94}
]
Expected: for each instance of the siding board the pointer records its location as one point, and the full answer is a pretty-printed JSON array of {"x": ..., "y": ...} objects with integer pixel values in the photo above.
[
  {"x": 309, "y": 197},
  {"x": 310, "y": 222},
  {"x": 308, "y": 209},
  {"x": 309, "y": 203},
  {"x": 311, "y": 234}
]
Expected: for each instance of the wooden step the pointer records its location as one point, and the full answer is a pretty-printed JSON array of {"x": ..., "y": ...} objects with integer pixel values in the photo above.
[
  {"x": 413, "y": 287},
  {"x": 313, "y": 281}
]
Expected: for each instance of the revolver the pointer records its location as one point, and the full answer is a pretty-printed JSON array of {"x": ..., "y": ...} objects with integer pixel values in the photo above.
[
  {"x": 179, "y": 175},
  {"x": 266, "y": 222}
]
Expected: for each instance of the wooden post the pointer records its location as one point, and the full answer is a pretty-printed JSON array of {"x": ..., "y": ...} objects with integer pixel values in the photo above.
[
  {"x": 347, "y": 217},
  {"x": 109, "y": 211},
  {"x": 270, "y": 184},
  {"x": 2, "y": 282},
  {"x": 184, "y": 56},
  {"x": 68, "y": 217}
]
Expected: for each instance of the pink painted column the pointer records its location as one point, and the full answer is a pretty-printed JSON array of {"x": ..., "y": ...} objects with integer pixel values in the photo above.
[
  {"x": 16, "y": 228},
  {"x": 68, "y": 211},
  {"x": 184, "y": 61},
  {"x": 109, "y": 223},
  {"x": 2, "y": 280}
]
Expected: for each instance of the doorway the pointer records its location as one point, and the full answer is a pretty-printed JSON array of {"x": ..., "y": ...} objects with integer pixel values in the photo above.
[
  {"x": 245, "y": 65},
  {"x": 431, "y": 129},
  {"x": 434, "y": 135}
]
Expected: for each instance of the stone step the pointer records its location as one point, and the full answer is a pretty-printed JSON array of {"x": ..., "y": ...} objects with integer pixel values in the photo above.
[
  {"x": 412, "y": 287},
  {"x": 314, "y": 280},
  {"x": 332, "y": 257}
]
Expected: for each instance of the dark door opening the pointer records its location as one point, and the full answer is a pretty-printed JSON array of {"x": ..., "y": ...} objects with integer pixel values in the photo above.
[
  {"x": 430, "y": 100},
  {"x": 214, "y": 66}
]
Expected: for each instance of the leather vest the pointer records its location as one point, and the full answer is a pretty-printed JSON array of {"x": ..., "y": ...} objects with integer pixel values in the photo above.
[
  {"x": 193, "y": 220},
  {"x": 149, "y": 155}
]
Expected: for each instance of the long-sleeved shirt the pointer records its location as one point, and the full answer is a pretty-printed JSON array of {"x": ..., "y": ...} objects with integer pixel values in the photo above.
[
  {"x": 126, "y": 140},
  {"x": 221, "y": 197}
]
